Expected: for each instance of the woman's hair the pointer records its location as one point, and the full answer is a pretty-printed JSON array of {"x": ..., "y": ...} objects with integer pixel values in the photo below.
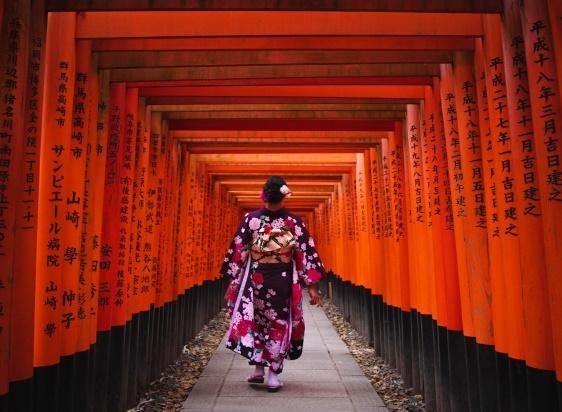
[{"x": 272, "y": 189}]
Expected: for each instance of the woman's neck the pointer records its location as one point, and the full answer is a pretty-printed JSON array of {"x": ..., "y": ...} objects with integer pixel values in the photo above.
[{"x": 274, "y": 206}]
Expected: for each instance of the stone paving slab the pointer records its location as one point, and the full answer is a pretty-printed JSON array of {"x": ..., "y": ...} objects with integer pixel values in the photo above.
[{"x": 325, "y": 378}]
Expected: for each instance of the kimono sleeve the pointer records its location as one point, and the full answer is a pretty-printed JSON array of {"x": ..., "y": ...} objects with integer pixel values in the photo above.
[
  {"x": 237, "y": 253},
  {"x": 310, "y": 268}
]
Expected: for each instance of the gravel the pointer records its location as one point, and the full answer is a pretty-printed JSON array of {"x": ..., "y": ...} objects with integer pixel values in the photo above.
[
  {"x": 386, "y": 380},
  {"x": 168, "y": 393}
]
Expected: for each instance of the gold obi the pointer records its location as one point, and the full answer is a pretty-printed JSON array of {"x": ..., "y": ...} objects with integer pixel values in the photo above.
[{"x": 276, "y": 246}]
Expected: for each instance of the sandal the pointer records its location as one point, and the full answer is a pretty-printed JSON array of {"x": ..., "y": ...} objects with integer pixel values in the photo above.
[
  {"x": 256, "y": 379},
  {"x": 274, "y": 388},
  {"x": 273, "y": 382}
]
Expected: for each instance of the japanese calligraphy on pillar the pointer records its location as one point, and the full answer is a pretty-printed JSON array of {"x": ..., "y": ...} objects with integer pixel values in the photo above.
[
  {"x": 142, "y": 256},
  {"x": 396, "y": 174},
  {"x": 471, "y": 146},
  {"x": 501, "y": 143},
  {"x": 126, "y": 174},
  {"x": 375, "y": 185},
  {"x": 149, "y": 258},
  {"x": 93, "y": 179},
  {"x": 349, "y": 213},
  {"x": 388, "y": 228},
  {"x": 445, "y": 203},
  {"x": 137, "y": 202},
  {"x": 543, "y": 83},
  {"x": 522, "y": 126},
  {"x": 361, "y": 196},
  {"x": 28, "y": 212},
  {"x": 155, "y": 197},
  {"x": 56, "y": 249},
  {"x": 487, "y": 151},
  {"x": 74, "y": 284},
  {"x": 431, "y": 162},
  {"x": 11, "y": 96},
  {"x": 453, "y": 151},
  {"x": 416, "y": 166}
]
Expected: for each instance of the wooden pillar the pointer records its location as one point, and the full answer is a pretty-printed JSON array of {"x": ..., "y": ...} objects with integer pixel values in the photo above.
[
  {"x": 55, "y": 148},
  {"x": 188, "y": 236},
  {"x": 15, "y": 32},
  {"x": 363, "y": 263},
  {"x": 141, "y": 270},
  {"x": 340, "y": 232},
  {"x": 475, "y": 215},
  {"x": 427, "y": 198},
  {"x": 493, "y": 220},
  {"x": 376, "y": 224},
  {"x": 25, "y": 256},
  {"x": 424, "y": 253},
  {"x": 127, "y": 176},
  {"x": 506, "y": 185},
  {"x": 389, "y": 270},
  {"x": 546, "y": 109},
  {"x": 539, "y": 353},
  {"x": 153, "y": 212},
  {"x": 416, "y": 214},
  {"x": 96, "y": 176},
  {"x": 475, "y": 234},
  {"x": 458, "y": 345},
  {"x": 443, "y": 221},
  {"x": 147, "y": 247},
  {"x": 497, "y": 274},
  {"x": 437, "y": 288},
  {"x": 398, "y": 209},
  {"x": 366, "y": 218},
  {"x": 110, "y": 300},
  {"x": 449, "y": 109},
  {"x": 452, "y": 372},
  {"x": 349, "y": 236},
  {"x": 433, "y": 208}
]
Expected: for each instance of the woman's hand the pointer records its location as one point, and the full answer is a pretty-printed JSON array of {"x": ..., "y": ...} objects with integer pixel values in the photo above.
[{"x": 314, "y": 295}]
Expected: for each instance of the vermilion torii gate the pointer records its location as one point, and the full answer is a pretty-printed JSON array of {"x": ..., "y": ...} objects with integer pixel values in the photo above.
[{"x": 422, "y": 141}]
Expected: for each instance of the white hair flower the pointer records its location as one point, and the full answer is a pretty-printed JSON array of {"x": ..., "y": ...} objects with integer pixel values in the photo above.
[{"x": 285, "y": 190}]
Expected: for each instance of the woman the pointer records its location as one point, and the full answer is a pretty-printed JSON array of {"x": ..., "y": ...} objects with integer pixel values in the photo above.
[{"x": 271, "y": 257}]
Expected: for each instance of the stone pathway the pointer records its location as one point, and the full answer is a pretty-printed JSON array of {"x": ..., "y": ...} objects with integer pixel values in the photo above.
[{"x": 325, "y": 378}]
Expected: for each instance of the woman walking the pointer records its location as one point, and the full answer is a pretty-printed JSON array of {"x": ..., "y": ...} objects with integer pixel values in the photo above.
[{"x": 271, "y": 257}]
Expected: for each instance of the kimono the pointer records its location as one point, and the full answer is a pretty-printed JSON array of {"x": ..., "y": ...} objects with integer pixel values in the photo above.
[{"x": 270, "y": 259}]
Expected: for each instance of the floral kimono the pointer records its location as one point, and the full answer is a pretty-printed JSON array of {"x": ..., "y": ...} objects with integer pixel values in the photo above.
[{"x": 271, "y": 257}]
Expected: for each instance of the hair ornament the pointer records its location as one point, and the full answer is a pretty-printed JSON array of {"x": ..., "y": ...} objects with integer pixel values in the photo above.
[{"x": 285, "y": 190}]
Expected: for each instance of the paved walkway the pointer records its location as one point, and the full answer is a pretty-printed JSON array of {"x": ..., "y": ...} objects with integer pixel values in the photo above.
[{"x": 325, "y": 378}]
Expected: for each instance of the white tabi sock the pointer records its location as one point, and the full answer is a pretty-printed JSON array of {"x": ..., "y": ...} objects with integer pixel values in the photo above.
[
  {"x": 259, "y": 371},
  {"x": 273, "y": 379}
]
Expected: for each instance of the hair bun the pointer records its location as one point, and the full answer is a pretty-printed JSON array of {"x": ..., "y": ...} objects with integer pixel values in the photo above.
[{"x": 275, "y": 190}]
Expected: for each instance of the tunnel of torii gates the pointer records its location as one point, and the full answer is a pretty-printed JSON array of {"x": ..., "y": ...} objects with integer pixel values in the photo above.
[{"x": 422, "y": 142}]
